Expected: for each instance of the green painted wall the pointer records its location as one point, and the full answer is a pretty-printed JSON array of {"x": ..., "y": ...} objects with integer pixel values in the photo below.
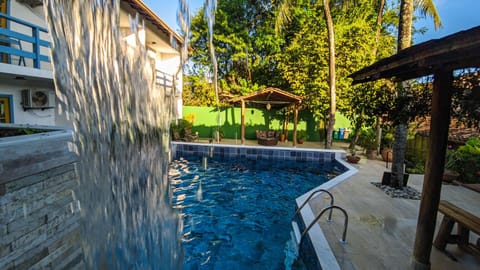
[{"x": 205, "y": 122}]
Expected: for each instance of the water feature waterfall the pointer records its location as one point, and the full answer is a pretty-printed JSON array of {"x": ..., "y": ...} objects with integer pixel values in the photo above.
[
  {"x": 120, "y": 124},
  {"x": 210, "y": 8}
]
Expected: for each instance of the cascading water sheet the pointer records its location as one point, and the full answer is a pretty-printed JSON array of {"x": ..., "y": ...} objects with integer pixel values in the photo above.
[{"x": 105, "y": 82}]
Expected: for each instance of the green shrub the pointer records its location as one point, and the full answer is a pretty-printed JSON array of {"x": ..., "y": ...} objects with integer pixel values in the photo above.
[
  {"x": 367, "y": 139},
  {"x": 466, "y": 161},
  {"x": 415, "y": 166},
  {"x": 301, "y": 135},
  {"x": 180, "y": 126}
]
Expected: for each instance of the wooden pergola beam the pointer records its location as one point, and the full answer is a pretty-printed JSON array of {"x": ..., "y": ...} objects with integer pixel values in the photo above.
[{"x": 459, "y": 50}]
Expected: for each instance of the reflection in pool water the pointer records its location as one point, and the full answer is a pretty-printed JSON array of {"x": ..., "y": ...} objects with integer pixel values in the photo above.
[{"x": 237, "y": 213}]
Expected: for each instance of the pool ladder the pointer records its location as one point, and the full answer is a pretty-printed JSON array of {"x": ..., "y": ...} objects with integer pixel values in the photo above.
[{"x": 328, "y": 208}]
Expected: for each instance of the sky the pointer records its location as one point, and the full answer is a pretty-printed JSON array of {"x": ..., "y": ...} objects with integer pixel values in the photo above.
[{"x": 456, "y": 15}]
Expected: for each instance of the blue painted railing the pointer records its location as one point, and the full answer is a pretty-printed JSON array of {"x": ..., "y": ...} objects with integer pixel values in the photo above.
[{"x": 13, "y": 43}]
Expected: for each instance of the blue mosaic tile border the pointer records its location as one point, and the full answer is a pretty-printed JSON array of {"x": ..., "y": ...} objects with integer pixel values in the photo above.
[{"x": 253, "y": 153}]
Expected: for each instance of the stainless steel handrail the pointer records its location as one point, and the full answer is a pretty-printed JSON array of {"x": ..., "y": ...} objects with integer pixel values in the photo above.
[
  {"x": 308, "y": 199},
  {"x": 331, "y": 207}
]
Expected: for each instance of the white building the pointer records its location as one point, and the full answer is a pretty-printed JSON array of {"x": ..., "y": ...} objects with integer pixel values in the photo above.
[{"x": 27, "y": 94}]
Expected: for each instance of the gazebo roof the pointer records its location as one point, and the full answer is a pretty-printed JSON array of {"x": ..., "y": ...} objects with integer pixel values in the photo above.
[
  {"x": 460, "y": 50},
  {"x": 274, "y": 96}
]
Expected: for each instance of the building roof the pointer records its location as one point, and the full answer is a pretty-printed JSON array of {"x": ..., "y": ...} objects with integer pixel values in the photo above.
[
  {"x": 151, "y": 16},
  {"x": 457, "y": 51},
  {"x": 457, "y": 132}
]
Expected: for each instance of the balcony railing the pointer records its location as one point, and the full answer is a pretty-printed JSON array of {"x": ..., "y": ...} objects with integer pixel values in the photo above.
[
  {"x": 21, "y": 45},
  {"x": 165, "y": 81}
]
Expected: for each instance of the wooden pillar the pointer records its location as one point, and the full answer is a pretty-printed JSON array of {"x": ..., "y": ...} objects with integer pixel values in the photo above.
[
  {"x": 286, "y": 125},
  {"x": 295, "y": 122},
  {"x": 432, "y": 181},
  {"x": 243, "y": 123}
]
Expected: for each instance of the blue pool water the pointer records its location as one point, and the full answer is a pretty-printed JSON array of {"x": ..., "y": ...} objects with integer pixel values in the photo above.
[{"x": 237, "y": 213}]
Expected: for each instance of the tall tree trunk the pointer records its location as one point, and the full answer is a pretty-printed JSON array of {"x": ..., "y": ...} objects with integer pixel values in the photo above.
[
  {"x": 358, "y": 126},
  {"x": 401, "y": 129},
  {"x": 379, "y": 133},
  {"x": 405, "y": 25},
  {"x": 331, "y": 72},
  {"x": 378, "y": 34}
]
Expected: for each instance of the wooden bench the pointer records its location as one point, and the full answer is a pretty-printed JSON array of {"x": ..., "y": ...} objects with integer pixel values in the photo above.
[{"x": 466, "y": 222}]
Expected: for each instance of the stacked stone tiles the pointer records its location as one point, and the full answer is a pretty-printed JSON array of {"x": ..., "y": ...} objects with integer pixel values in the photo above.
[{"x": 39, "y": 213}]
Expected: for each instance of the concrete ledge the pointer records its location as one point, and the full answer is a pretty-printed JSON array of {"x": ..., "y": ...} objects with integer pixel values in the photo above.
[
  {"x": 29, "y": 154},
  {"x": 27, "y": 72}
]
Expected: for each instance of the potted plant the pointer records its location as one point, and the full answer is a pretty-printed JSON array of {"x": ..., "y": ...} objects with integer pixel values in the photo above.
[
  {"x": 353, "y": 158},
  {"x": 387, "y": 142},
  {"x": 301, "y": 136},
  {"x": 449, "y": 173},
  {"x": 178, "y": 129},
  {"x": 368, "y": 140}
]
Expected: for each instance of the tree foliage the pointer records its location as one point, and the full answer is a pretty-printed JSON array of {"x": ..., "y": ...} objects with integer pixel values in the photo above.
[
  {"x": 251, "y": 55},
  {"x": 245, "y": 45},
  {"x": 305, "y": 65},
  {"x": 466, "y": 98}
]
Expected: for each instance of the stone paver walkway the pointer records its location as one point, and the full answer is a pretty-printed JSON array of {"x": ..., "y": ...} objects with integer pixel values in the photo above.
[{"x": 381, "y": 229}]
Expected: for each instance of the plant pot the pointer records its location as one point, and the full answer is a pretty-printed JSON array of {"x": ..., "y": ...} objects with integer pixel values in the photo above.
[
  {"x": 300, "y": 141},
  {"x": 386, "y": 179},
  {"x": 450, "y": 176},
  {"x": 371, "y": 153},
  {"x": 353, "y": 159},
  {"x": 282, "y": 137},
  {"x": 387, "y": 154}
]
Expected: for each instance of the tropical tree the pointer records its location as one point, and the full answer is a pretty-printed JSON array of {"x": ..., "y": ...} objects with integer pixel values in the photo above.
[
  {"x": 246, "y": 47},
  {"x": 306, "y": 64},
  {"x": 427, "y": 7},
  {"x": 283, "y": 16},
  {"x": 370, "y": 101}
]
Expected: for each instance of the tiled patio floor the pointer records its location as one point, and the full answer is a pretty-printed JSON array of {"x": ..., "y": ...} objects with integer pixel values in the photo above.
[{"x": 382, "y": 229}]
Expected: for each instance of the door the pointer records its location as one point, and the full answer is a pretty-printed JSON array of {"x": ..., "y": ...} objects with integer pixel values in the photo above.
[{"x": 5, "y": 109}]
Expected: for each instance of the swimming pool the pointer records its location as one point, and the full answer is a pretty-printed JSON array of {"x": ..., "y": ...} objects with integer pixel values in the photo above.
[{"x": 237, "y": 211}]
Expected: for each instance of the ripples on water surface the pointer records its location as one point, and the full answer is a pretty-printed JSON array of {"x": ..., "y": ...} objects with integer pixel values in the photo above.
[{"x": 237, "y": 213}]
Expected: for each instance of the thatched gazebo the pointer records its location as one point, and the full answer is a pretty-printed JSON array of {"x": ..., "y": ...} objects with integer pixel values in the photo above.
[
  {"x": 271, "y": 98},
  {"x": 439, "y": 57}
]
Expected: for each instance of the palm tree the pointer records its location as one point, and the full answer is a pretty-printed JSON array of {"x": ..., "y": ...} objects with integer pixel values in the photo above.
[{"x": 427, "y": 7}]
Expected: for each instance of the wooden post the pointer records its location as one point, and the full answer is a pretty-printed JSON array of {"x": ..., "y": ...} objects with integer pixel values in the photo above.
[
  {"x": 286, "y": 125},
  {"x": 243, "y": 123},
  {"x": 432, "y": 181},
  {"x": 295, "y": 121}
]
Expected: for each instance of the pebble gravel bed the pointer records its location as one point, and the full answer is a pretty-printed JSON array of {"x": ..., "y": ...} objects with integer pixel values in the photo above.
[{"x": 404, "y": 192}]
